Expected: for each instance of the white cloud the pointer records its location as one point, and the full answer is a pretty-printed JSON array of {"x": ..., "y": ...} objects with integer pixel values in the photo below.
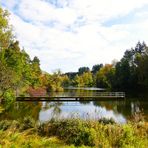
[
  {"x": 71, "y": 33},
  {"x": 10, "y": 4}
]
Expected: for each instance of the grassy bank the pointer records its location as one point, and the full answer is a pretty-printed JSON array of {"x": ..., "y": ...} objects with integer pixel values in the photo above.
[
  {"x": 73, "y": 133},
  {"x": 27, "y": 139}
]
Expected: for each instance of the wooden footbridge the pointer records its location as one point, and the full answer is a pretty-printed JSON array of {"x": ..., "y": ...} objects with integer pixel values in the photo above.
[{"x": 72, "y": 96}]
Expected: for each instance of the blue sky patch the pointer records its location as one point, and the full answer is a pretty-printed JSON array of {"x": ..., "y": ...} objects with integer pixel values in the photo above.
[{"x": 126, "y": 19}]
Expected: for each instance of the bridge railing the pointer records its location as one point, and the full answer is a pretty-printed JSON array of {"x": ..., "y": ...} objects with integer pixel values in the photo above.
[
  {"x": 81, "y": 96},
  {"x": 99, "y": 94}
]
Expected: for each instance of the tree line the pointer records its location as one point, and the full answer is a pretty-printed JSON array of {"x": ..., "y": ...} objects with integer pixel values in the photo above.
[
  {"x": 128, "y": 74},
  {"x": 18, "y": 71}
]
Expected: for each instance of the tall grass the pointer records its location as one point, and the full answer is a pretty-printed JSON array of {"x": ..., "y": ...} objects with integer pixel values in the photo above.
[{"x": 74, "y": 132}]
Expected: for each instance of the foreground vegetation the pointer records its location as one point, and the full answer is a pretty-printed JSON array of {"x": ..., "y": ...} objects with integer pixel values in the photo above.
[
  {"x": 73, "y": 133},
  {"x": 25, "y": 139}
]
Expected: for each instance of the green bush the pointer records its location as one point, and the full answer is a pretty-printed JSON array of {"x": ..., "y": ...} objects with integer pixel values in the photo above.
[
  {"x": 78, "y": 132},
  {"x": 73, "y": 131},
  {"x": 27, "y": 123},
  {"x": 5, "y": 124},
  {"x": 107, "y": 121},
  {"x": 92, "y": 133},
  {"x": 129, "y": 138},
  {"x": 9, "y": 98}
]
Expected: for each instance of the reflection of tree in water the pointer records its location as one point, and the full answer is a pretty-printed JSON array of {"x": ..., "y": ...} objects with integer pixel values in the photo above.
[
  {"x": 127, "y": 108},
  {"x": 80, "y": 92},
  {"x": 130, "y": 107},
  {"x": 109, "y": 105},
  {"x": 19, "y": 110},
  {"x": 84, "y": 102},
  {"x": 118, "y": 107},
  {"x": 54, "y": 106}
]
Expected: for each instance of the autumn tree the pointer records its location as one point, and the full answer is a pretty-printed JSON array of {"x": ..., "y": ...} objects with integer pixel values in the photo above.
[
  {"x": 84, "y": 80},
  {"x": 6, "y": 36},
  {"x": 105, "y": 76}
]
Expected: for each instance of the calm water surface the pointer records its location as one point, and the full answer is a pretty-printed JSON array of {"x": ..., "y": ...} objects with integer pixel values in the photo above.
[{"x": 120, "y": 111}]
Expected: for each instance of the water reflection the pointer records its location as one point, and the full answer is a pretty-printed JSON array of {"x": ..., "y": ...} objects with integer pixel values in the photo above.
[
  {"x": 53, "y": 107},
  {"x": 77, "y": 109},
  {"x": 19, "y": 110},
  {"x": 120, "y": 111}
]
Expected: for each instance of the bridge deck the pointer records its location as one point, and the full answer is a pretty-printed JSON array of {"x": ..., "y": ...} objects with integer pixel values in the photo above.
[{"x": 80, "y": 97}]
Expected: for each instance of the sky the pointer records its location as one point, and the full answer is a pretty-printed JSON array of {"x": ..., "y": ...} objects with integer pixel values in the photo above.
[{"x": 68, "y": 34}]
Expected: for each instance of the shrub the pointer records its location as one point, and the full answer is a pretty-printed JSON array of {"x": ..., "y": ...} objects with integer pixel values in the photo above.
[
  {"x": 79, "y": 132},
  {"x": 137, "y": 117},
  {"x": 107, "y": 121},
  {"x": 5, "y": 124},
  {"x": 73, "y": 131},
  {"x": 27, "y": 123},
  {"x": 9, "y": 98}
]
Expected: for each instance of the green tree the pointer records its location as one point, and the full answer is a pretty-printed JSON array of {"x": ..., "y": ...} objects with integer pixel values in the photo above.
[
  {"x": 6, "y": 36},
  {"x": 87, "y": 79},
  {"x": 105, "y": 76},
  {"x": 84, "y": 80},
  {"x": 6, "y": 80},
  {"x": 96, "y": 68},
  {"x": 131, "y": 71},
  {"x": 78, "y": 81},
  {"x": 141, "y": 60},
  {"x": 55, "y": 81},
  {"x": 122, "y": 75},
  {"x": 81, "y": 70},
  {"x": 35, "y": 72},
  {"x": 65, "y": 81}
]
